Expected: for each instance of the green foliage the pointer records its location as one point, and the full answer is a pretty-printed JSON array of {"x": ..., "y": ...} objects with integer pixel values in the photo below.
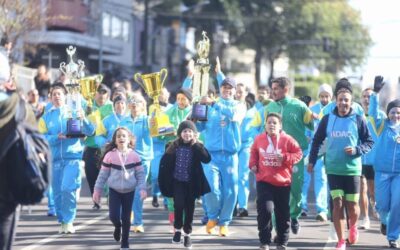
[
  {"x": 297, "y": 29},
  {"x": 308, "y": 85}
]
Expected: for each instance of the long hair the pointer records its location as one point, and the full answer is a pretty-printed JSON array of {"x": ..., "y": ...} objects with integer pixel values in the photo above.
[{"x": 112, "y": 145}]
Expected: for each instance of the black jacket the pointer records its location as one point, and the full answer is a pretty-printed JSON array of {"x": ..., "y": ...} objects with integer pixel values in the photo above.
[{"x": 198, "y": 181}]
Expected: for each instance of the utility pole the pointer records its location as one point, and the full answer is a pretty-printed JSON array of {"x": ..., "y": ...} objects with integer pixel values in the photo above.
[
  {"x": 101, "y": 37},
  {"x": 145, "y": 34}
]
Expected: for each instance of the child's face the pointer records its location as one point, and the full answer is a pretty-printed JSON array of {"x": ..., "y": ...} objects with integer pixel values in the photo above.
[
  {"x": 273, "y": 125},
  {"x": 187, "y": 135},
  {"x": 122, "y": 138},
  {"x": 394, "y": 115}
]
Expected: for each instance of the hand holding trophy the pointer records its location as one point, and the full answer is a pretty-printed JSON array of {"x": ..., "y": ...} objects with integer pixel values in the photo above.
[
  {"x": 73, "y": 71},
  {"x": 152, "y": 85},
  {"x": 201, "y": 79}
]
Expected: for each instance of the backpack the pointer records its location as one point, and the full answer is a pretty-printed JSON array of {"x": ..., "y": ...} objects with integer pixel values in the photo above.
[{"x": 28, "y": 159}]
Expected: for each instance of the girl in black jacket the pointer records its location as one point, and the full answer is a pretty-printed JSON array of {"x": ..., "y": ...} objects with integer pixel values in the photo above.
[{"x": 182, "y": 178}]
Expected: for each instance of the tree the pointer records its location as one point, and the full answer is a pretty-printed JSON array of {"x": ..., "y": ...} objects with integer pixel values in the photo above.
[
  {"x": 18, "y": 17},
  {"x": 336, "y": 37},
  {"x": 297, "y": 29}
]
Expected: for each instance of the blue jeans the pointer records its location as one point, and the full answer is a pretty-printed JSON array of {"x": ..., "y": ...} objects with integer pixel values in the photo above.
[{"x": 222, "y": 176}]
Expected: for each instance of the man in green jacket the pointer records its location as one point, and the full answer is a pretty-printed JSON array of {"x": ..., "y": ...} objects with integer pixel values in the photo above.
[
  {"x": 296, "y": 117},
  {"x": 102, "y": 107}
]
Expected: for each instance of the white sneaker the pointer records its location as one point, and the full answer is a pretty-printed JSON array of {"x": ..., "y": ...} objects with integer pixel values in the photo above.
[
  {"x": 69, "y": 228},
  {"x": 62, "y": 228},
  {"x": 332, "y": 233},
  {"x": 365, "y": 224}
]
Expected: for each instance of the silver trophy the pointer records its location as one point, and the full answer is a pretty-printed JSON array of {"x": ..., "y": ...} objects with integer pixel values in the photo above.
[
  {"x": 73, "y": 72},
  {"x": 201, "y": 79}
]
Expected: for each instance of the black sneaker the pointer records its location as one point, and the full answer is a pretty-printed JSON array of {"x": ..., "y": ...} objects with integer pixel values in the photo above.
[
  {"x": 155, "y": 202},
  {"x": 295, "y": 226},
  {"x": 117, "y": 233},
  {"x": 187, "y": 241},
  {"x": 383, "y": 229},
  {"x": 393, "y": 244},
  {"x": 303, "y": 213},
  {"x": 243, "y": 212},
  {"x": 177, "y": 237},
  {"x": 96, "y": 207}
]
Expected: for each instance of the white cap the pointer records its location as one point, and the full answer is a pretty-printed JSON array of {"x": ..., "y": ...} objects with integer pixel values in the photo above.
[
  {"x": 325, "y": 88},
  {"x": 4, "y": 68}
]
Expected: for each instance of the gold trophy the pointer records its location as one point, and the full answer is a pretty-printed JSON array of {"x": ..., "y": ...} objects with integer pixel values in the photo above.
[
  {"x": 73, "y": 71},
  {"x": 201, "y": 79},
  {"x": 89, "y": 86},
  {"x": 152, "y": 85}
]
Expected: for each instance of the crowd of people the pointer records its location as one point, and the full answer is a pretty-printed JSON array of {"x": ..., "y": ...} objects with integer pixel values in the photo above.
[{"x": 279, "y": 138}]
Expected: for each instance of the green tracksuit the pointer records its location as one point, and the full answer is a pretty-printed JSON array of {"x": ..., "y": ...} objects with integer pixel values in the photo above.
[{"x": 296, "y": 117}]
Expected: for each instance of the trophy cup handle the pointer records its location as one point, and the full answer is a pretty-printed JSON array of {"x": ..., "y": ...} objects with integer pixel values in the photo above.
[
  {"x": 63, "y": 67},
  {"x": 138, "y": 78},
  {"x": 165, "y": 72},
  {"x": 99, "y": 78}
]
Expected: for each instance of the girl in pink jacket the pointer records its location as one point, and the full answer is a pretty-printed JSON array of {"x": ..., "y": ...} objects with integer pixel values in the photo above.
[{"x": 272, "y": 157}]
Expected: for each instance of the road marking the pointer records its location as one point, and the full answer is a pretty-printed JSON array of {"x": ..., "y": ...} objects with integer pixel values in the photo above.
[{"x": 56, "y": 236}]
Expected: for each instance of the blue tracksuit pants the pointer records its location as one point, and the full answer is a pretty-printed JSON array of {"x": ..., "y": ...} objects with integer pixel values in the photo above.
[
  {"x": 222, "y": 175},
  {"x": 137, "y": 206},
  {"x": 320, "y": 187},
  {"x": 66, "y": 180},
  {"x": 158, "y": 151},
  {"x": 387, "y": 186},
  {"x": 243, "y": 177}
]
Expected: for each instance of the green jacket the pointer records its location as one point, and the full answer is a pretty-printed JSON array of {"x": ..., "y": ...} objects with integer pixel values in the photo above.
[
  {"x": 296, "y": 117},
  {"x": 96, "y": 117}
]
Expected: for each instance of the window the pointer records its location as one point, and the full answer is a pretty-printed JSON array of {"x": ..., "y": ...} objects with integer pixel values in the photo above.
[
  {"x": 106, "y": 24},
  {"x": 115, "y": 27},
  {"x": 125, "y": 31}
]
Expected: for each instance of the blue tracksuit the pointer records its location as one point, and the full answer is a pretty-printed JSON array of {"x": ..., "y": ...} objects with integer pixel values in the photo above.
[
  {"x": 247, "y": 133},
  {"x": 320, "y": 178},
  {"x": 369, "y": 158},
  {"x": 108, "y": 126},
  {"x": 387, "y": 172},
  {"x": 67, "y": 160},
  {"x": 139, "y": 127},
  {"x": 223, "y": 141}
]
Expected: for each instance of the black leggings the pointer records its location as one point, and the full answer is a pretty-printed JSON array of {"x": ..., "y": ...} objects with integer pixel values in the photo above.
[
  {"x": 184, "y": 202},
  {"x": 120, "y": 207}
]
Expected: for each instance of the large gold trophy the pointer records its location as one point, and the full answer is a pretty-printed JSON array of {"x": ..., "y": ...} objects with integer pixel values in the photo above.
[
  {"x": 88, "y": 87},
  {"x": 201, "y": 79},
  {"x": 73, "y": 72},
  {"x": 152, "y": 85}
]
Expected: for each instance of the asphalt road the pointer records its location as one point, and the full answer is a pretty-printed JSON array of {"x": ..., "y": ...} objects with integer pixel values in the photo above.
[{"x": 94, "y": 231}]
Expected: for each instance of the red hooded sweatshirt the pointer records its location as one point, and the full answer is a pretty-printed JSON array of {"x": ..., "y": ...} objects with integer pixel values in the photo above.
[{"x": 269, "y": 168}]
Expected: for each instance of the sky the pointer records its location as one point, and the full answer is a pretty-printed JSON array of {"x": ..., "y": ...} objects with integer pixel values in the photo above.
[{"x": 383, "y": 20}]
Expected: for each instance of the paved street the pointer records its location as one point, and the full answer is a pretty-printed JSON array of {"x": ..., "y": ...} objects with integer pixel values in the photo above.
[{"x": 94, "y": 231}]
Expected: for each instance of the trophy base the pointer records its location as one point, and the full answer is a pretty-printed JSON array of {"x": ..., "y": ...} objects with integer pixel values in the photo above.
[
  {"x": 75, "y": 135},
  {"x": 74, "y": 129},
  {"x": 199, "y": 112}
]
